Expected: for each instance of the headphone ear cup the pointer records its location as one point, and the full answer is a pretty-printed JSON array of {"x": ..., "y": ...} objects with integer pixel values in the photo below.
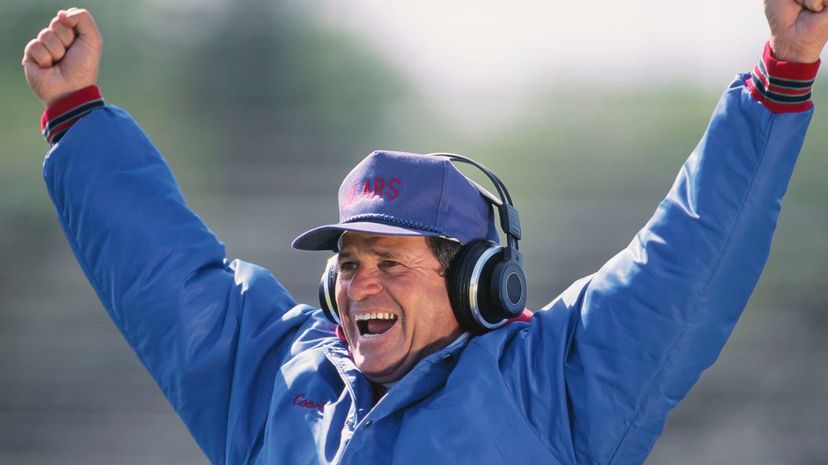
[
  {"x": 461, "y": 284},
  {"x": 508, "y": 287},
  {"x": 327, "y": 291}
]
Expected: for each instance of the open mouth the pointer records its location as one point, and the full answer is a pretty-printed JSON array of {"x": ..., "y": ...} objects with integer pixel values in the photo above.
[{"x": 374, "y": 323}]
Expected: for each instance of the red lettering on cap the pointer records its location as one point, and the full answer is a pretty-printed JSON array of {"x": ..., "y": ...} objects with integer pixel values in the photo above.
[
  {"x": 393, "y": 191},
  {"x": 373, "y": 187},
  {"x": 379, "y": 183},
  {"x": 349, "y": 197}
]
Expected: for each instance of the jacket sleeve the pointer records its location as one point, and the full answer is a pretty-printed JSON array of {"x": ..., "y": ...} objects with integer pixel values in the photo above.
[
  {"x": 598, "y": 370},
  {"x": 211, "y": 332}
]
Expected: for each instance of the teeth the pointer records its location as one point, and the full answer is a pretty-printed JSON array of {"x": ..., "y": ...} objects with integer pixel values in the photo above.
[{"x": 375, "y": 316}]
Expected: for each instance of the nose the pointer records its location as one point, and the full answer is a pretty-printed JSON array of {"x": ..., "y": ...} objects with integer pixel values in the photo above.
[{"x": 364, "y": 282}]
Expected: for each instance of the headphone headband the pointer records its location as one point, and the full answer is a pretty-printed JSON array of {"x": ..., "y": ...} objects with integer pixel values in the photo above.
[{"x": 508, "y": 214}]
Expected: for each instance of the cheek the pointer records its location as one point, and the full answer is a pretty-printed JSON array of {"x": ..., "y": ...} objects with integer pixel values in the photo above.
[
  {"x": 342, "y": 308},
  {"x": 341, "y": 298},
  {"x": 435, "y": 310}
]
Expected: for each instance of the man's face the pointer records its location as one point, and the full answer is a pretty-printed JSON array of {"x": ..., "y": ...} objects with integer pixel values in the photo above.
[{"x": 392, "y": 302}]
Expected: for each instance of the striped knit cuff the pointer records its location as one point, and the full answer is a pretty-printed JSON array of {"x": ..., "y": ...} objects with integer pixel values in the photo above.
[
  {"x": 61, "y": 115},
  {"x": 781, "y": 86}
]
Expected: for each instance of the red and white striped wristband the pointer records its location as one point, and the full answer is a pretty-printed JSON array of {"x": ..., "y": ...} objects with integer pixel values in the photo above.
[
  {"x": 61, "y": 115},
  {"x": 781, "y": 86}
]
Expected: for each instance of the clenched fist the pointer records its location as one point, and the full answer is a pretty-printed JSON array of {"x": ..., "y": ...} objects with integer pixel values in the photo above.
[
  {"x": 64, "y": 57},
  {"x": 799, "y": 29}
]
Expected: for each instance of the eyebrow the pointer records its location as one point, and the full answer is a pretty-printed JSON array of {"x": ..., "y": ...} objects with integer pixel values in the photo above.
[{"x": 381, "y": 253}]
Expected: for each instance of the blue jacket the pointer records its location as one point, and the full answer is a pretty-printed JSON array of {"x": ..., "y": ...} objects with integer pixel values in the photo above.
[{"x": 260, "y": 379}]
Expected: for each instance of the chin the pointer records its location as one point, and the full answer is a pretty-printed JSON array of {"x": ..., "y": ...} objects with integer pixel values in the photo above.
[{"x": 379, "y": 369}]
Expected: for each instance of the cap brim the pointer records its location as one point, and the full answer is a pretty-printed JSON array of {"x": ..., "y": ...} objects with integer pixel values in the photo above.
[{"x": 326, "y": 237}]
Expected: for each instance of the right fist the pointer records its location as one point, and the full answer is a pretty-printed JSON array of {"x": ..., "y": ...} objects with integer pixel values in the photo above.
[{"x": 64, "y": 57}]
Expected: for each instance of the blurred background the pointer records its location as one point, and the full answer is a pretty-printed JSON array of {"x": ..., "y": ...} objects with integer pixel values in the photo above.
[{"x": 585, "y": 110}]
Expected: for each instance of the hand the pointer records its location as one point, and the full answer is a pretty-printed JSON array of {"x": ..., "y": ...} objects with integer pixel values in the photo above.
[
  {"x": 64, "y": 57},
  {"x": 799, "y": 29}
]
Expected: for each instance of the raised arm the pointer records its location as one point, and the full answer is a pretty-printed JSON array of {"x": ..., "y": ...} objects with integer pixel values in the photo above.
[
  {"x": 212, "y": 333},
  {"x": 615, "y": 353}
]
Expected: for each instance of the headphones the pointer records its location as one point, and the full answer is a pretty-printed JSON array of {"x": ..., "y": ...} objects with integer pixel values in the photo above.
[{"x": 485, "y": 281}]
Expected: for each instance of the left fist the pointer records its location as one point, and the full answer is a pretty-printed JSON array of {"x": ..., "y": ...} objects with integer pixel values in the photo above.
[{"x": 799, "y": 29}]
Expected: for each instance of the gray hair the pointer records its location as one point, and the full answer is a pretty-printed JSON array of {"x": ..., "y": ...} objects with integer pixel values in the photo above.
[{"x": 444, "y": 249}]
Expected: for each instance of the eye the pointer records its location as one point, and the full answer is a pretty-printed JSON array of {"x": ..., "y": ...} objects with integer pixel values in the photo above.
[
  {"x": 346, "y": 267},
  {"x": 389, "y": 265}
]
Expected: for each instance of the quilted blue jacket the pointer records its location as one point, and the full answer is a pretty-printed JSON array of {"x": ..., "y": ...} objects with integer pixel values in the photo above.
[{"x": 260, "y": 379}]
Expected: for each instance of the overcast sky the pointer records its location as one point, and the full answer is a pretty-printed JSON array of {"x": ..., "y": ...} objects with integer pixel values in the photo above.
[
  {"x": 462, "y": 50},
  {"x": 479, "y": 46},
  {"x": 459, "y": 51}
]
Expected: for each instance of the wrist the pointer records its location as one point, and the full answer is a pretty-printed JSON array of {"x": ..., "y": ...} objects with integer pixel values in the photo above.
[
  {"x": 65, "y": 91},
  {"x": 785, "y": 51},
  {"x": 63, "y": 112}
]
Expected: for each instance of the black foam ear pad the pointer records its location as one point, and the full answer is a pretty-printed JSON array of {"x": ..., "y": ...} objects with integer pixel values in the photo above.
[
  {"x": 473, "y": 295},
  {"x": 327, "y": 291},
  {"x": 458, "y": 282}
]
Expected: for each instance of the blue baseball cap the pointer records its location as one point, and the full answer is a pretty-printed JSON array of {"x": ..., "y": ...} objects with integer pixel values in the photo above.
[{"x": 406, "y": 194}]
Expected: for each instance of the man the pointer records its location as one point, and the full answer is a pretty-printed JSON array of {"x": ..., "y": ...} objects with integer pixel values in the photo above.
[{"x": 404, "y": 377}]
